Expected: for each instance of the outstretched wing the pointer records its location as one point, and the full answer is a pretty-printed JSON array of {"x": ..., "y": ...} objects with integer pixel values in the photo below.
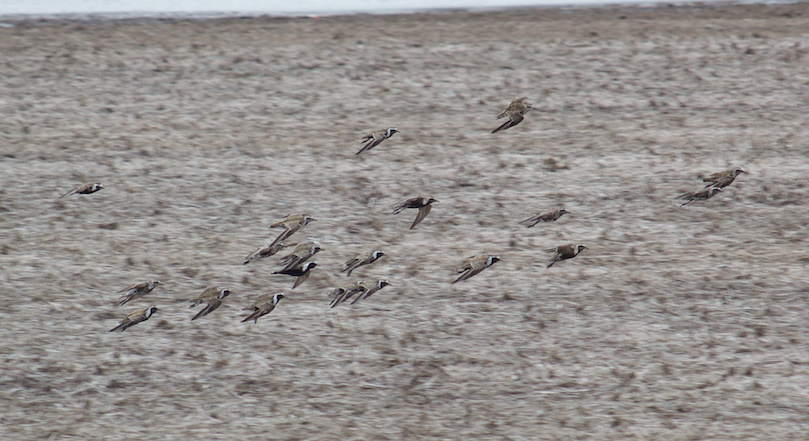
[
  {"x": 423, "y": 212},
  {"x": 302, "y": 278},
  {"x": 212, "y": 305}
]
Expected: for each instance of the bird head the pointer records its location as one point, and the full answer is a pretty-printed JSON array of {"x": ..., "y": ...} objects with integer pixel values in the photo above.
[
  {"x": 224, "y": 293},
  {"x": 151, "y": 310},
  {"x": 277, "y": 297},
  {"x": 392, "y": 130}
]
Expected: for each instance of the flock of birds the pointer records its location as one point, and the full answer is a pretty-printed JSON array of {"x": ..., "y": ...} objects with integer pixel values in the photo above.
[{"x": 298, "y": 264}]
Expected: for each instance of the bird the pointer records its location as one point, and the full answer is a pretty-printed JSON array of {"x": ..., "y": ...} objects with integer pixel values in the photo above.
[
  {"x": 420, "y": 202},
  {"x": 213, "y": 297},
  {"x": 134, "y": 318},
  {"x": 545, "y": 216},
  {"x": 345, "y": 292},
  {"x": 84, "y": 189},
  {"x": 269, "y": 250},
  {"x": 375, "y": 138},
  {"x": 515, "y": 112},
  {"x": 474, "y": 265},
  {"x": 360, "y": 260},
  {"x": 302, "y": 253},
  {"x": 724, "y": 178},
  {"x": 564, "y": 252},
  {"x": 137, "y": 291},
  {"x": 291, "y": 224},
  {"x": 369, "y": 289},
  {"x": 300, "y": 271},
  {"x": 264, "y": 304},
  {"x": 699, "y": 195}
]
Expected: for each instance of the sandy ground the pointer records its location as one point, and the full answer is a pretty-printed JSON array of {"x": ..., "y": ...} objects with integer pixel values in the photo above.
[{"x": 677, "y": 323}]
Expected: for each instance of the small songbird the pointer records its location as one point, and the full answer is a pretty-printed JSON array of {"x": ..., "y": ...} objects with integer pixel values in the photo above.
[
  {"x": 134, "y": 318},
  {"x": 370, "y": 288},
  {"x": 564, "y": 252},
  {"x": 213, "y": 297},
  {"x": 345, "y": 292},
  {"x": 269, "y": 250},
  {"x": 699, "y": 195},
  {"x": 724, "y": 178},
  {"x": 375, "y": 138},
  {"x": 137, "y": 291},
  {"x": 302, "y": 253},
  {"x": 545, "y": 216},
  {"x": 422, "y": 203},
  {"x": 291, "y": 224},
  {"x": 360, "y": 260},
  {"x": 84, "y": 189},
  {"x": 515, "y": 112},
  {"x": 264, "y": 304},
  {"x": 474, "y": 265},
  {"x": 301, "y": 272}
]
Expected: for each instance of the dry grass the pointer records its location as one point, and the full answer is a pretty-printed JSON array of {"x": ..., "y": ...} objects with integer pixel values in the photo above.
[{"x": 678, "y": 323}]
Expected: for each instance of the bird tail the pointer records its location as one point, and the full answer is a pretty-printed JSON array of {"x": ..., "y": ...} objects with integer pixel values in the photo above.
[{"x": 550, "y": 263}]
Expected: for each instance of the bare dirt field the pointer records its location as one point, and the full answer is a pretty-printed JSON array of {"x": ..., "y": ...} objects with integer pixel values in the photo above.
[{"x": 676, "y": 323}]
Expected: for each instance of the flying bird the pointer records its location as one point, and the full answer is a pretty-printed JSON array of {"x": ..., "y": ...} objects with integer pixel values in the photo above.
[
  {"x": 134, "y": 318},
  {"x": 474, "y": 265},
  {"x": 545, "y": 216},
  {"x": 699, "y": 195},
  {"x": 300, "y": 271},
  {"x": 137, "y": 291},
  {"x": 301, "y": 254},
  {"x": 564, "y": 252},
  {"x": 264, "y": 304},
  {"x": 360, "y": 260},
  {"x": 291, "y": 224},
  {"x": 424, "y": 204},
  {"x": 213, "y": 297},
  {"x": 369, "y": 289},
  {"x": 84, "y": 189},
  {"x": 373, "y": 139},
  {"x": 515, "y": 112},
  {"x": 724, "y": 178},
  {"x": 269, "y": 250}
]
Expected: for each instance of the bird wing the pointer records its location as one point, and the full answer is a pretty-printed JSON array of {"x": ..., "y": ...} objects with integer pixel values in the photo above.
[
  {"x": 212, "y": 305},
  {"x": 373, "y": 142},
  {"x": 69, "y": 193},
  {"x": 290, "y": 230},
  {"x": 254, "y": 316},
  {"x": 423, "y": 212},
  {"x": 302, "y": 278},
  {"x": 125, "y": 323},
  {"x": 467, "y": 274}
]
